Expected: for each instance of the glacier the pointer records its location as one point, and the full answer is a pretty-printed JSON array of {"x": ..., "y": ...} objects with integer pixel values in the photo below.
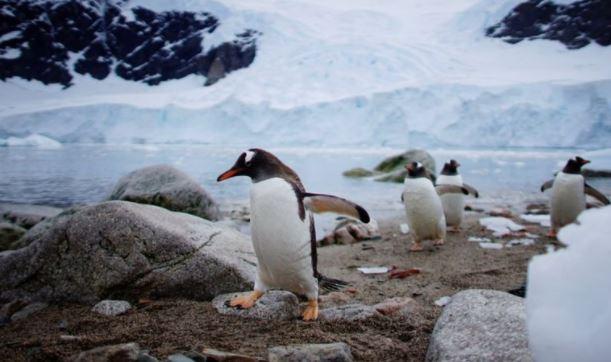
[
  {"x": 344, "y": 73},
  {"x": 540, "y": 115}
]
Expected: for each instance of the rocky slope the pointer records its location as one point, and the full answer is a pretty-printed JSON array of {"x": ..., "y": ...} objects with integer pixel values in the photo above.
[
  {"x": 575, "y": 24},
  {"x": 50, "y": 41}
]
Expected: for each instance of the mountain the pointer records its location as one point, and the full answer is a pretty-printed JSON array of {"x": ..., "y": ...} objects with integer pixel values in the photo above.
[
  {"x": 342, "y": 73},
  {"x": 49, "y": 40}
]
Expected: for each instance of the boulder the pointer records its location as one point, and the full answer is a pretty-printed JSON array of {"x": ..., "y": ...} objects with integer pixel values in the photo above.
[
  {"x": 210, "y": 355},
  {"x": 349, "y": 312},
  {"x": 9, "y": 234},
  {"x": 275, "y": 304},
  {"x": 394, "y": 167},
  {"x": 28, "y": 310},
  {"x": 336, "y": 352},
  {"x": 125, "y": 250},
  {"x": 483, "y": 325},
  {"x": 357, "y": 172},
  {"x": 112, "y": 307},
  {"x": 27, "y": 216},
  {"x": 167, "y": 187}
]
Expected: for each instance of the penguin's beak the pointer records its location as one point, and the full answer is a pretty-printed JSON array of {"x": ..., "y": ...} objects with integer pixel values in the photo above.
[
  {"x": 229, "y": 174},
  {"x": 409, "y": 167},
  {"x": 584, "y": 162}
]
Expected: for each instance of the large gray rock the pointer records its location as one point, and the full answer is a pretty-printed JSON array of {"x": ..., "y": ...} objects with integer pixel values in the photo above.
[
  {"x": 111, "y": 307},
  {"x": 118, "y": 352},
  {"x": 9, "y": 234},
  {"x": 167, "y": 187},
  {"x": 394, "y": 167},
  {"x": 349, "y": 312},
  {"x": 481, "y": 325},
  {"x": 25, "y": 215},
  {"x": 329, "y": 352},
  {"x": 125, "y": 250},
  {"x": 275, "y": 304}
]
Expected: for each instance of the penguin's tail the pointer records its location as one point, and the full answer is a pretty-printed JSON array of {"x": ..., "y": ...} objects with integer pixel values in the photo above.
[{"x": 330, "y": 284}]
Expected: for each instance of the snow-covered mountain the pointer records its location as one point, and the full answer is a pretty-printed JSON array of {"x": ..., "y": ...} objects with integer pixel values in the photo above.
[{"x": 340, "y": 73}]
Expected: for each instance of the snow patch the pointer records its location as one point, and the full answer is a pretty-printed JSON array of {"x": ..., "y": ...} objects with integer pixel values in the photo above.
[
  {"x": 567, "y": 300},
  {"x": 500, "y": 226},
  {"x": 494, "y": 246},
  {"x": 543, "y": 220}
]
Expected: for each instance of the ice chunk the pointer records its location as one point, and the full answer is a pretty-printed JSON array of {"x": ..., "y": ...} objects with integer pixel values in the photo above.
[
  {"x": 476, "y": 239},
  {"x": 443, "y": 301},
  {"x": 543, "y": 220},
  {"x": 522, "y": 241},
  {"x": 33, "y": 140},
  {"x": 500, "y": 225},
  {"x": 491, "y": 245},
  {"x": 374, "y": 270},
  {"x": 567, "y": 300}
]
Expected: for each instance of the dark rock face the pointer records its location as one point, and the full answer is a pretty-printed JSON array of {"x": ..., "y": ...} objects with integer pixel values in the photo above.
[
  {"x": 575, "y": 25},
  {"x": 48, "y": 40}
]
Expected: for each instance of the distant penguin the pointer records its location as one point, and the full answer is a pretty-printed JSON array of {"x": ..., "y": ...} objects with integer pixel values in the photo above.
[
  {"x": 453, "y": 203},
  {"x": 568, "y": 197},
  {"x": 423, "y": 206},
  {"x": 282, "y": 227}
]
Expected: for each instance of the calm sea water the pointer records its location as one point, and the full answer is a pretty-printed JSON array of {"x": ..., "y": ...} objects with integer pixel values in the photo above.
[{"x": 77, "y": 174}]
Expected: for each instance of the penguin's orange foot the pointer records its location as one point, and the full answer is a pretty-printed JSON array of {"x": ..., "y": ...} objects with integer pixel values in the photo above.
[
  {"x": 311, "y": 311},
  {"x": 246, "y": 301},
  {"x": 416, "y": 247},
  {"x": 439, "y": 242}
]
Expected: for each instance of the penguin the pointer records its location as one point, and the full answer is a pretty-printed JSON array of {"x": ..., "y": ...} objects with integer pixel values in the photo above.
[
  {"x": 282, "y": 229},
  {"x": 423, "y": 206},
  {"x": 568, "y": 198},
  {"x": 454, "y": 204}
]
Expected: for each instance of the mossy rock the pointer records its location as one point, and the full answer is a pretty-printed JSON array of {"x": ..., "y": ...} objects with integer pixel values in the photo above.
[
  {"x": 398, "y": 162},
  {"x": 358, "y": 172}
]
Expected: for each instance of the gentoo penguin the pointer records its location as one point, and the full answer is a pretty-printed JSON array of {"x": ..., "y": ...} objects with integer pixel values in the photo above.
[
  {"x": 282, "y": 229},
  {"x": 453, "y": 204},
  {"x": 423, "y": 206},
  {"x": 568, "y": 198}
]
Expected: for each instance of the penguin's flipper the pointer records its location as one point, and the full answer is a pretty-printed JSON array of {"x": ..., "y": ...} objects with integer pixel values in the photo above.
[
  {"x": 547, "y": 185},
  {"x": 596, "y": 194},
  {"x": 471, "y": 190},
  {"x": 320, "y": 203},
  {"x": 451, "y": 189}
]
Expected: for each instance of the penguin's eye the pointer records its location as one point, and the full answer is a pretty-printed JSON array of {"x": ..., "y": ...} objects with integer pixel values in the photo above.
[{"x": 247, "y": 163}]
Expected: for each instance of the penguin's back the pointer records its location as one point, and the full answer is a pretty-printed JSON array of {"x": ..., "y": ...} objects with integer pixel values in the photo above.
[
  {"x": 568, "y": 198},
  {"x": 453, "y": 204},
  {"x": 281, "y": 238}
]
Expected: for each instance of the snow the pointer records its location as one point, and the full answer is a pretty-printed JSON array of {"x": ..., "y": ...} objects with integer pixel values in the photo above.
[
  {"x": 500, "y": 226},
  {"x": 374, "y": 270},
  {"x": 10, "y": 53},
  {"x": 476, "y": 239},
  {"x": 521, "y": 241},
  {"x": 34, "y": 140},
  {"x": 346, "y": 72},
  {"x": 543, "y": 220},
  {"x": 567, "y": 301},
  {"x": 443, "y": 301},
  {"x": 404, "y": 228},
  {"x": 494, "y": 246}
]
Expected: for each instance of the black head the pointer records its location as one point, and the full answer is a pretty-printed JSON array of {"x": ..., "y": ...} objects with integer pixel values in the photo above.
[
  {"x": 259, "y": 165},
  {"x": 573, "y": 166},
  {"x": 415, "y": 170},
  {"x": 450, "y": 168}
]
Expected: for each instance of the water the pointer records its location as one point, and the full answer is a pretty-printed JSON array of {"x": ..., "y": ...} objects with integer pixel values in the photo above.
[{"x": 77, "y": 174}]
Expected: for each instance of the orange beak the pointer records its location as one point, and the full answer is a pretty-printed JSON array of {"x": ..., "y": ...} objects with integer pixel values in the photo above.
[
  {"x": 585, "y": 162},
  {"x": 409, "y": 167},
  {"x": 229, "y": 174}
]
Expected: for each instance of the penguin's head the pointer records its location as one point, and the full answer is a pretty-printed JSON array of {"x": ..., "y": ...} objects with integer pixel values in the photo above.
[
  {"x": 450, "y": 168},
  {"x": 574, "y": 165},
  {"x": 416, "y": 169},
  {"x": 259, "y": 165}
]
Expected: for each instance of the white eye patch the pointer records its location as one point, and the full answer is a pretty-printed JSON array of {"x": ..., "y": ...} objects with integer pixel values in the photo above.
[
  {"x": 418, "y": 165},
  {"x": 249, "y": 156}
]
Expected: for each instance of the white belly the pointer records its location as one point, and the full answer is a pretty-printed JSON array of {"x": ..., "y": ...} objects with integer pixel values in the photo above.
[
  {"x": 423, "y": 209},
  {"x": 281, "y": 238},
  {"x": 453, "y": 204},
  {"x": 568, "y": 199}
]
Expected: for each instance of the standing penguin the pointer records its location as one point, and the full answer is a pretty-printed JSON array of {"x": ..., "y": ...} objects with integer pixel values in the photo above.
[
  {"x": 453, "y": 204},
  {"x": 282, "y": 227},
  {"x": 569, "y": 190},
  {"x": 423, "y": 206}
]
